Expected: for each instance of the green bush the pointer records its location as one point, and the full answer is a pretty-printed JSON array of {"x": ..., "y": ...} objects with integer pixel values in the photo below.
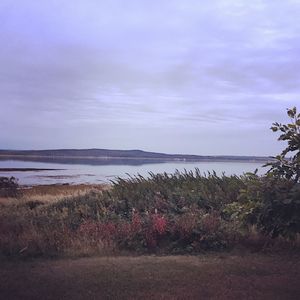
[
  {"x": 9, "y": 187},
  {"x": 270, "y": 203},
  {"x": 284, "y": 167}
]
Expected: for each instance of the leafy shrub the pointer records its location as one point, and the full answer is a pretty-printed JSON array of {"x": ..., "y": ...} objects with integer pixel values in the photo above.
[
  {"x": 194, "y": 232},
  {"x": 288, "y": 168},
  {"x": 9, "y": 187},
  {"x": 270, "y": 203}
]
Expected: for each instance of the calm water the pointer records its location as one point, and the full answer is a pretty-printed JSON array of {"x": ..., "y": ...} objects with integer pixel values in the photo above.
[{"x": 78, "y": 173}]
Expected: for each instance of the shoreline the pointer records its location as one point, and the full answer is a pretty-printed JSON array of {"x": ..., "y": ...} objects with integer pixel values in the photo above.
[{"x": 158, "y": 159}]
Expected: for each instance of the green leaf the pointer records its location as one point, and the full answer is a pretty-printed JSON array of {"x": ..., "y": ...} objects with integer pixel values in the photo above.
[
  {"x": 292, "y": 112},
  {"x": 274, "y": 129}
]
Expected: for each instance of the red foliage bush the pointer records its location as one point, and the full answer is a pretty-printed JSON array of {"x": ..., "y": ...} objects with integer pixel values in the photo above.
[
  {"x": 150, "y": 231},
  {"x": 144, "y": 231},
  {"x": 159, "y": 224}
]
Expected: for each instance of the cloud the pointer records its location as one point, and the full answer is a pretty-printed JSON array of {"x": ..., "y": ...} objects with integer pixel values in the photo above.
[{"x": 156, "y": 67}]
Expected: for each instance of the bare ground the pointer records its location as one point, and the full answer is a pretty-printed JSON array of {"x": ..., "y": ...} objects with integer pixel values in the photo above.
[{"x": 228, "y": 276}]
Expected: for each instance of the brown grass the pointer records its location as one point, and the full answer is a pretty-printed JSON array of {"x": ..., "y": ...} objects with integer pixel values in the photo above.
[
  {"x": 252, "y": 276},
  {"x": 52, "y": 193},
  {"x": 61, "y": 191}
]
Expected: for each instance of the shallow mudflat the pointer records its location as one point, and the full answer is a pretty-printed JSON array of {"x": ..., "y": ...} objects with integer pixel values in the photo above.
[
  {"x": 228, "y": 276},
  {"x": 26, "y": 169}
]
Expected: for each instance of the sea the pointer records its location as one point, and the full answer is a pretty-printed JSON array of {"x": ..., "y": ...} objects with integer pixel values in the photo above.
[{"x": 64, "y": 173}]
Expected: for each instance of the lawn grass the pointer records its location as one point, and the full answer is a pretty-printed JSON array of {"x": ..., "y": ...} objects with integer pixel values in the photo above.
[{"x": 210, "y": 276}]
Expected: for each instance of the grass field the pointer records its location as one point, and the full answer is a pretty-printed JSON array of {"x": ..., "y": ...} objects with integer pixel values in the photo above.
[{"x": 210, "y": 276}]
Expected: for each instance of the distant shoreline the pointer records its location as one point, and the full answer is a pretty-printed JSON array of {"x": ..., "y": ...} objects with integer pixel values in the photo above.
[{"x": 30, "y": 157}]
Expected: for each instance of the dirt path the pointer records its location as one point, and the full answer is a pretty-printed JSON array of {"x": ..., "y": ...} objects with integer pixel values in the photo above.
[{"x": 151, "y": 277}]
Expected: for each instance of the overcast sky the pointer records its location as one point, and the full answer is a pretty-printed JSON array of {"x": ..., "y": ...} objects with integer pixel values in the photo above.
[{"x": 201, "y": 77}]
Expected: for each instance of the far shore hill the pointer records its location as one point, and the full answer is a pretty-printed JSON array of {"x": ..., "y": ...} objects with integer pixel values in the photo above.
[{"x": 119, "y": 156}]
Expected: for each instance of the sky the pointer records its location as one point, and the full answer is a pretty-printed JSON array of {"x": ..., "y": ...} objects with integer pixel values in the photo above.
[{"x": 194, "y": 77}]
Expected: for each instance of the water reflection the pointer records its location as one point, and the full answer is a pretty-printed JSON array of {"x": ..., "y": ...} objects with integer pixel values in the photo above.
[{"x": 94, "y": 173}]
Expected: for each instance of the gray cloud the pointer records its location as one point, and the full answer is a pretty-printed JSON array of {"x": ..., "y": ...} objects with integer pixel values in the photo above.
[{"x": 173, "y": 76}]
